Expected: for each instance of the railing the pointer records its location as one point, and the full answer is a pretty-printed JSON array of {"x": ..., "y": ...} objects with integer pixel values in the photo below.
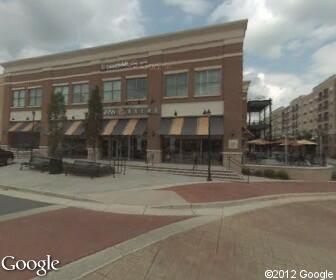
[
  {"x": 233, "y": 162},
  {"x": 119, "y": 164},
  {"x": 149, "y": 160},
  {"x": 281, "y": 160}
]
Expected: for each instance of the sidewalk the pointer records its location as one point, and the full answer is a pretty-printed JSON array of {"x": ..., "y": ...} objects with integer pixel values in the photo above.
[{"x": 105, "y": 189}]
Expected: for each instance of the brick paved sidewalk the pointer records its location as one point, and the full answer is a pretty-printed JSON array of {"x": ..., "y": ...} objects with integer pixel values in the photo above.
[
  {"x": 70, "y": 234},
  {"x": 294, "y": 236},
  {"x": 212, "y": 192}
]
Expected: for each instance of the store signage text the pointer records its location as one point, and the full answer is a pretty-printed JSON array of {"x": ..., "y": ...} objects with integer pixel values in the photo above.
[
  {"x": 130, "y": 111},
  {"x": 123, "y": 64}
]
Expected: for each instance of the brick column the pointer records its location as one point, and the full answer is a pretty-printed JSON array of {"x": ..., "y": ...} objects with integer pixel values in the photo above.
[
  {"x": 233, "y": 122},
  {"x": 5, "y": 113},
  {"x": 155, "y": 88}
]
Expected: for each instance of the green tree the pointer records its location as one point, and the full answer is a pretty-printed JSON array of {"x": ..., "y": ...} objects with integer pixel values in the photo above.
[
  {"x": 56, "y": 119},
  {"x": 94, "y": 121}
]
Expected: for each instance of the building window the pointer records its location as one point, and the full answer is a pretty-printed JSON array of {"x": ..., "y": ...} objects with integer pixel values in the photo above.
[
  {"x": 208, "y": 82},
  {"x": 112, "y": 91},
  {"x": 64, "y": 90},
  {"x": 18, "y": 98},
  {"x": 136, "y": 88},
  {"x": 35, "y": 97},
  {"x": 176, "y": 85},
  {"x": 80, "y": 93}
]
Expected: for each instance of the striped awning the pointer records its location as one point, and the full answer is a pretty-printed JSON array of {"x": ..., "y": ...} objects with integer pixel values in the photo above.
[
  {"x": 124, "y": 127},
  {"x": 192, "y": 126},
  {"x": 24, "y": 127},
  {"x": 74, "y": 128}
]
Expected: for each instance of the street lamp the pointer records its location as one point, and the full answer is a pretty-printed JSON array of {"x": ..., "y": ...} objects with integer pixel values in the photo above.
[
  {"x": 32, "y": 136},
  {"x": 208, "y": 114}
]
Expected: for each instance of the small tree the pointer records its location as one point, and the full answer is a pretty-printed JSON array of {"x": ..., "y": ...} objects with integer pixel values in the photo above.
[
  {"x": 56, "y": 119},
  {"x": 94, "y": 120}
]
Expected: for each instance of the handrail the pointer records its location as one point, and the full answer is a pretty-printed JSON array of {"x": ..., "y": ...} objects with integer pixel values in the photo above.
[{"x": 232, "y": 160}]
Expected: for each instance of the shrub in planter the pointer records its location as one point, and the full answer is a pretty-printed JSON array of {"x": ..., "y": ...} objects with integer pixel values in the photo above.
[
  {"x": 269, "y": 173},
  {"x": 259, "y": 173},
  {"x": 283, "y": 175},
  {"x": 333, "y": 176},
  {"x": 246, "y": 171}
]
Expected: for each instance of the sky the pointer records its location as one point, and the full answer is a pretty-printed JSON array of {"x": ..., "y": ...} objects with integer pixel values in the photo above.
[{"x": 290, "y": 45}]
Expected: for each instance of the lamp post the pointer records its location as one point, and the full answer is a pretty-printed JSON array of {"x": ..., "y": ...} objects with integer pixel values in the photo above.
[
  {"x": 32, "y": 136},
  {"x": 208, "y": 114}
]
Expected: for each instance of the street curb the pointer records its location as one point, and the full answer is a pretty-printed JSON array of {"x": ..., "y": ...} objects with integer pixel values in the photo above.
[
  {"x": 240, "y": 201},
  {"x": 18, "y": 189},
  {"x": 84, "y": 266}
]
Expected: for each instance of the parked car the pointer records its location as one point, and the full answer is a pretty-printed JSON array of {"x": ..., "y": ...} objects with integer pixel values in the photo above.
[{"x": 6, "y": 157}]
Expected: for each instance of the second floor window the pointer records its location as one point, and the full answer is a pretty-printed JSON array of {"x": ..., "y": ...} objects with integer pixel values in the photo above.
[
  {"x": 176, "y": 85},
  {"x": 35, "y": 97},
  {"x": 18, "y": 98},
  {"x": 136, "y": 88},
  {"x": 208, "y": 82},
  {"x": 64, "y": 90},
  {"x": 112, "y": 91},
  {"x": 80, "y": 93}
]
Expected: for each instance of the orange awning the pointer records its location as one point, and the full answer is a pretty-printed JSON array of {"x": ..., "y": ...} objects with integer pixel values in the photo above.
[
  {"x": 176, "y": 126},
  {"x": 109, "y": 127},
  {"x": 131, "y": 124},
  {"x": 73, "y": 129},
  {"x": 202, "y": 126}
]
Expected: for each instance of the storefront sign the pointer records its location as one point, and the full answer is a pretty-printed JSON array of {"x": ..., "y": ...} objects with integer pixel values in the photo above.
[
  {"x": 233, "y": 144},
  {"x": 130, "y": 111},
  {"x": 123, "y": 64}
]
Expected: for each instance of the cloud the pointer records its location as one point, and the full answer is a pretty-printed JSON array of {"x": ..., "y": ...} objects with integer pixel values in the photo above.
[
  {"x": 191, "y": 7},
  {"x": 35, "y": 27},
  {"x": 281, "y": 87},
  {"x": 275, "y": 24},
  {"x": 324, "y": 60}
]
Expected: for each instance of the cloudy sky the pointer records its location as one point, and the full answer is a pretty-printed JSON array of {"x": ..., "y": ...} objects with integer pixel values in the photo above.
[{"x": 289, "y": 48}]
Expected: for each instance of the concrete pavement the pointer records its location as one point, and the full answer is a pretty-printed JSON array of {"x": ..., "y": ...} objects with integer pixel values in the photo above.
[
  {"x": 11, "y": 205},
  {"x": 295, "y": 237}
]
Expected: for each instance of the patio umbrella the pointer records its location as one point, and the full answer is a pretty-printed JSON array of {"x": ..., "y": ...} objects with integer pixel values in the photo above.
[
  {"x": 306, "y": 142},
  {"x": 290, "y": 143},
  {"x": 260, "y": 142}
]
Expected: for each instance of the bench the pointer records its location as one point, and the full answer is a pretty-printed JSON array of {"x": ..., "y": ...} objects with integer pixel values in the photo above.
[
  {"x": 88, "y": 168},
  {"x": 37, "y": 162}
]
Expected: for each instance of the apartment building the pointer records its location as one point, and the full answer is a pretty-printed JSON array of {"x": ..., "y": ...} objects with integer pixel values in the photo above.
[
  {"x": 155, "y": 91},
  {"x": 324, "y": 95},
  {"x": 312, "y": 114},
  {"x": 1, "y": 104},
  {"x": 277, "y": 123}
]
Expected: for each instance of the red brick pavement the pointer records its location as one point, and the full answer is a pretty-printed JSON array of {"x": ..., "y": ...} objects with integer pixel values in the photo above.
[
  {"x": 212, "y": 192},
  {"x": 70, "y": 234}
]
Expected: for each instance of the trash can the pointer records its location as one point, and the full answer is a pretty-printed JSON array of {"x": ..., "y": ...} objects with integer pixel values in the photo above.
[{"x": 55, "y": 166}]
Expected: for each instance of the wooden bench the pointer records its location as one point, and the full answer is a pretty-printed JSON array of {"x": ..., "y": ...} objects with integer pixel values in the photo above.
[{"x": 88, "y": 168}]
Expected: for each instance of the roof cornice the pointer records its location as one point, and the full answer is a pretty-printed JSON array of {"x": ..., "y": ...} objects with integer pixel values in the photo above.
[{"x": 229, "y": 33}]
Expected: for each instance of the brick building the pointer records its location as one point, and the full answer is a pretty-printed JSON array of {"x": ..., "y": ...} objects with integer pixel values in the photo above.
[{"x": 154, "y": 92}]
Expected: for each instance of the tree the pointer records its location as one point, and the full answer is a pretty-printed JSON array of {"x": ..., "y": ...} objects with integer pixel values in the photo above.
[
  {"x": 94, "y": 121},
  {"x": 56, "y": 119}
]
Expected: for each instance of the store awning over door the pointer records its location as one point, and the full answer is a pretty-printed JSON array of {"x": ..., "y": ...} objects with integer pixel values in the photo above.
[
  {"x": 24, "y": 127},
  {"x": 191, "y": 126},
  {"x": 74, "y": 128},
  {"x": 124, "y": 127}
]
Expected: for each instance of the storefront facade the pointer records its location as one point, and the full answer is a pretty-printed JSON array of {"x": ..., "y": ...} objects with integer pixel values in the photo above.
[{"x": 155, "y": 91}]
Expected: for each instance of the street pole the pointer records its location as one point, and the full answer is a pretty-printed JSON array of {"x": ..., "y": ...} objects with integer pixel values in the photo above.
[
  {"x": 208, "y": 113},
  {"x": 32, "y": 136},
  {"x": 286, "y": 149}
]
